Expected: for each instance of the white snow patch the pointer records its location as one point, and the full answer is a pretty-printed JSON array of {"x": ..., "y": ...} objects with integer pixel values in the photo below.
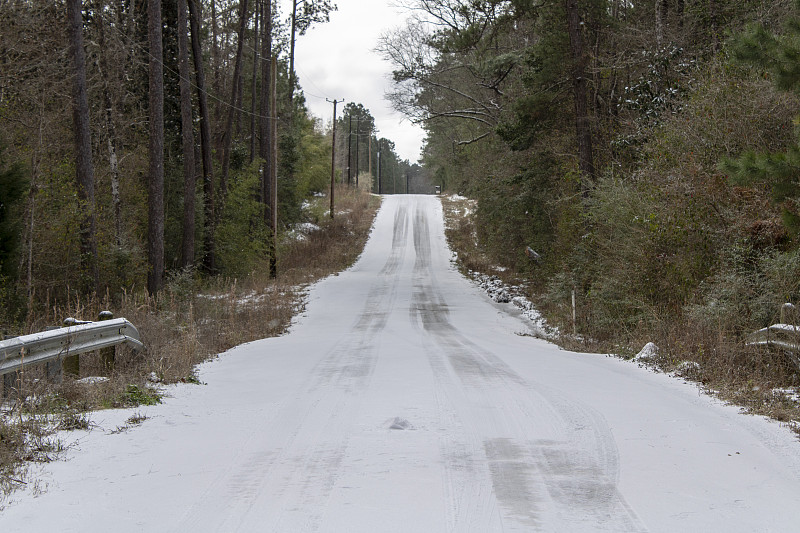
[
  {"x": 791, "y": 394},
  {"x": 687, "y": 369},
  {"x": 648, "y": 352},
  {"x": 92, "y": 380},
  {"x": 502, "y": 293}
]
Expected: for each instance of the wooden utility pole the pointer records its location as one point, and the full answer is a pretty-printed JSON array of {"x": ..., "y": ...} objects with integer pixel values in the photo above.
[
  {"x": 358, "y": 147},
  {"x": 273, "y": 189},
  {"x": 333, "y": 150},
  {"x": 379, "y": 166},
  {"x": 349, "y": 145}
]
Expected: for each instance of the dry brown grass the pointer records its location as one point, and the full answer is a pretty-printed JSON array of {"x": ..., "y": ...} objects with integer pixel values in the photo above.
[
  {"x": 462, "y": 234},
  {"x": 189, "y": 322},
  {"x": 750, "y": 377}
]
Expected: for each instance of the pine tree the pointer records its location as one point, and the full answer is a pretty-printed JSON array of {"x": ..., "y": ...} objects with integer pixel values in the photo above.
[
  {"x": 13, "y": 186},
  {"x": 778, "y": 55}
]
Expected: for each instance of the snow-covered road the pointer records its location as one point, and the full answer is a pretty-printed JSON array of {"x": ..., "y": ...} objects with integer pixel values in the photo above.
[{"x": 405, "y": 401}]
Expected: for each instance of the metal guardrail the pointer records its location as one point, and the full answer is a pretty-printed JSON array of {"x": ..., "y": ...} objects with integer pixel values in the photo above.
[
  {"x": 786, "y": 336},
  {"x": 59, "y": 343},
  {"x": 783, "y": 335}
]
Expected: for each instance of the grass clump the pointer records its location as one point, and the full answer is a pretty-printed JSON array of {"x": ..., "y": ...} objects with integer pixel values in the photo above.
[
  {"x": 191, "y": 320},
  {"x": 702, "y": 340}
]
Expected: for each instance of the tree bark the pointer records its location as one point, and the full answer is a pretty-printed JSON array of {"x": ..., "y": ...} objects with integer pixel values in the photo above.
[
  {"x": 264, "y": 150},
  {"x": 187, "y": 138},
  {"x": 155, "y": 227},
  {"x": 209, "y": 259},
  {"x": 253, "y": 86},
  {"x": 712, "y": 20},
  {"x": 84, "y": 170},
  {"x": 273, "y": 197},
  {"x": 579, "y": 89},
  {"x": 111, "y": 132},
  {"x": 291, "y": 58},
  {"x": 227, "y": 135},
  {"x": 216, "y": 75}
]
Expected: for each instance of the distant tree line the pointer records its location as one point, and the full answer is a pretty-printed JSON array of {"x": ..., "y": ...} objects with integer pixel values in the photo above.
[
  {"x": 646, "y": 150},
  {"x": 142, "y": 138}
]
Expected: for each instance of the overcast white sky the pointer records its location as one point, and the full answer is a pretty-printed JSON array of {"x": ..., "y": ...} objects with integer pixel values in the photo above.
[{"x": 337, "y": 60}]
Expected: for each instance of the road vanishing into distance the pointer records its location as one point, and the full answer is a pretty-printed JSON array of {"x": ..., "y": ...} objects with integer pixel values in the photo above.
[{"x": 404, "y": 400}]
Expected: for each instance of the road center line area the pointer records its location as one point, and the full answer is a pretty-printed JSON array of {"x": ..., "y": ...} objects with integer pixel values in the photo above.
[{"x": 403, "y": 400}]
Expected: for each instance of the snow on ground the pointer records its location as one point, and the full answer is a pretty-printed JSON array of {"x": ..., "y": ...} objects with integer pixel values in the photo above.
[
  {"x": 405, "y": 400},
  {"x": 501, "y": 293}
]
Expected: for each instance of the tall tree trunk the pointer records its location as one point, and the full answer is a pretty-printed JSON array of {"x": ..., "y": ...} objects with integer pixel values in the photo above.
[
  {"x": 209, "y": 259},
  {"x": 266, "y": 112},
  {"x": 111, "y": 131},
  {"x": 155, "y": 227},
  {"x": 712, "y": 20},
  {"x": 291, "y": 59},
  {"x": 268, "y": 140},
  {"x": 253, "y": 86},
  {"x": 662, "y": 7},
  {"x": 227, "y": 135},
  {"x": 84, "y": 171},
  {"x": 216, "y": 74},
  {"x": 579, "y": 89},
  {"x": 273, "y": 189},
  {"x": 187, "y": 137}
]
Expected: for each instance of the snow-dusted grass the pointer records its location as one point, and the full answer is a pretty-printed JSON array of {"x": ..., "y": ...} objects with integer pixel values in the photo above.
[
  {"x": 745, "y": 376},
  {"x": 403, "y": 400},
  {"x": 191, "y": 321}
]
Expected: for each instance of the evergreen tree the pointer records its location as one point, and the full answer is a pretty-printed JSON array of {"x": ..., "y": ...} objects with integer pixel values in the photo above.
[
  {"x": 778, "y": 55},
  {"x": 13, "y": 186}
]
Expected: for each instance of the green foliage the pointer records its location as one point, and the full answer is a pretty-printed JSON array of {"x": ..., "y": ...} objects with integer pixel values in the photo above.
[
  {"x": 288, "y": 199},
  {"x": 517, "y": 212},
  {"x": 242, "y": 234},
  {"x": 313, "y": 168},
  {"x": 135, "y": 396},
  {"x": 779, "y": 55},
  {"x": 748, "y": 292},
  {"x": 13, "y": 187}
]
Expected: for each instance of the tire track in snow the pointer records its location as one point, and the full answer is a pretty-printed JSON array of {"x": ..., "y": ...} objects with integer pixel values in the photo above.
[
  {"x": 317, "y": 423},
  {"x": 567, "y": 479}
]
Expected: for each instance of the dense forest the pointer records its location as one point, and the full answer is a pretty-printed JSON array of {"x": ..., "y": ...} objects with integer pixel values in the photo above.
[
  {"x": 646, "y": 150},
  {"x": 143, "y": 139}
]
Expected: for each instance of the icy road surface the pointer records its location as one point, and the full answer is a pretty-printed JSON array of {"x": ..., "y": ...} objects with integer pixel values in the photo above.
[{"x": 405, "y": 401}]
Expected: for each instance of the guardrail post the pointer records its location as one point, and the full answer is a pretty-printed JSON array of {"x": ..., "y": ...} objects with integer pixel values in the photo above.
[
  {"x": 107, "y": 355},
  {"x": 53, "y": 368},
  {"x": 71, "y": 365},
  {"x": 8, "y": 383},
  {"x": 11, "y": 382},
  {"x": 788, "y": 314}
]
